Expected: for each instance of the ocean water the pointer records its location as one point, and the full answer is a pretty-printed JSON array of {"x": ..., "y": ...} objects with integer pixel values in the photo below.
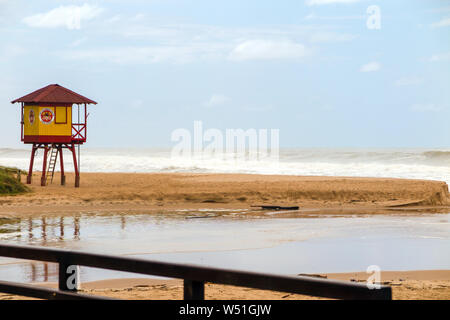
[{"x": 431, "y": 164}]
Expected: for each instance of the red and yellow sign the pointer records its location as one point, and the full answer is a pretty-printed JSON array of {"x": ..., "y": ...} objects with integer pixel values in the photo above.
[
  {"x": 47, "y": 116},
  {"x": 31, "y": 116}
]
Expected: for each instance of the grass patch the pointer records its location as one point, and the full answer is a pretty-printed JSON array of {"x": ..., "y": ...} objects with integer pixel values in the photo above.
[{"x": 8, "y": 182}]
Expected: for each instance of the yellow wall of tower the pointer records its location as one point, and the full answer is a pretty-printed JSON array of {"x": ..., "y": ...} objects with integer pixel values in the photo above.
[{"x": 47, "y": 120}]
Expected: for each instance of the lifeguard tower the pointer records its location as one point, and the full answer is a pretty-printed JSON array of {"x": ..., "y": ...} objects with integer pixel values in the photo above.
[{"x": 49, "y": 121}]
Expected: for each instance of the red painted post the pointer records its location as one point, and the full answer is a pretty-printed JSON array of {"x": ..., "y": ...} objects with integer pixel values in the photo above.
[
  {"x": 44, "y": 167},
  {"x": 85, "y": 122},
  {"x": 30, "y": 170},
  {"x": 21, "y": 123},
  {"x": 63, "y": 177},
  {"x": 77, "y": 174}
]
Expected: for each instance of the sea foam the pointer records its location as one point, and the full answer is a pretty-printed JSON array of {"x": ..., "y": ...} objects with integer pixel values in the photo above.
[{"x": 395, "y": 163}]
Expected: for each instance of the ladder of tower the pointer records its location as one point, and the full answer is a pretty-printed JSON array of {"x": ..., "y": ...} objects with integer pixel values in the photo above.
[{"x": 52, "y": 163}]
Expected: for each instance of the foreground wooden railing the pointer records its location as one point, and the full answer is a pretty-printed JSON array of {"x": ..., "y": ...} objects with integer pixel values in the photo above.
[{"x": 194, "y": 276}]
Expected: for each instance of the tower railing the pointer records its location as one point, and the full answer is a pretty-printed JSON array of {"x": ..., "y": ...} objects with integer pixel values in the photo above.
[{"x": 78, "y": 132}]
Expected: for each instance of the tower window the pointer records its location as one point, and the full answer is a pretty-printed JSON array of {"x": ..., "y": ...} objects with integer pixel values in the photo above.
[{"x": 61, "y": 115}]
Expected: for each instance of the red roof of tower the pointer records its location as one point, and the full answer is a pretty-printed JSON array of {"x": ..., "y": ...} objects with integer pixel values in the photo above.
[{"x": 54, "y": 93}]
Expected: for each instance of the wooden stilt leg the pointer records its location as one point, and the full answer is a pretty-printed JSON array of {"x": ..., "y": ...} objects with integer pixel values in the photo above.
[
  {"x": 44, "y": 167},
  {"x": 30, "y": 170},
  {"x": 75, "y": 164},
  {"x": 63, "y": 177}
]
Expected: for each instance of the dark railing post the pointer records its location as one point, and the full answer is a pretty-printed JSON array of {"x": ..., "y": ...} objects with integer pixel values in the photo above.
[
  {"x": 67, "y": 277},
  {"x": 194, "y": 290}
]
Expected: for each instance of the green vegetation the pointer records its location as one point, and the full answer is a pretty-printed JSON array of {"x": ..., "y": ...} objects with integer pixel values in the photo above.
[{"x": 9, "y": 183}]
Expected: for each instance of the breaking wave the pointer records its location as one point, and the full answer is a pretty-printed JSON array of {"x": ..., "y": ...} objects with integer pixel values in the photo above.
[{"x": 397, "y": 163}]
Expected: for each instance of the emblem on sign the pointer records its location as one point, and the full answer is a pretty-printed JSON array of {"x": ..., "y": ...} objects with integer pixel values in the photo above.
[
  {"x": 31, "y": 116},
  {"x": 46, "y": 115}
]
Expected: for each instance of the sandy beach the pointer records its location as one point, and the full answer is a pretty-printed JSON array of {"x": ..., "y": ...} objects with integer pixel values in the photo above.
[
  {"x": 406, "y": 285},
  {"x": 156, "y": 191},
  {"x": 163, "y": 192}
]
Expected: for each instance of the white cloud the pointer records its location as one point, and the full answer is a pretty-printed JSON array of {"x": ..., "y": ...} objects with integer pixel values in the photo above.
[
  {"x": 322, "y": 2},
  {"x": 114, "y": 19},
  {"x": 63, "y": 16},
  {"x": 159, "y": 31},
  {"x": 440, "y": 10},
  {"x": 313, "y": 16},
  {"x": 12, "y": 51},
  {"x": 191, "y": 33},
  {"x": 440, "y": 57},
  {"x": 409, "y": 81},
  {"x": 137, "y": 104},
  {"x": 323, "y": 37},
  {"x": 221, "y": 42},
  {"x": 216, "y": 100},
  {"x": 189, "y": 52},
  {"x": 257, "y": 108},
  {"x": 370, "y": 67},
  {"x": 146, "y": 55},
  {"x": 442, "y": 23},
  {"x": 182, "y": 43},
  {"x": 267, "y": 50},
  {"x": 427, "y": 107},
  {"x": 77, "y": 42},
  {"x": 138, "y": 17}
]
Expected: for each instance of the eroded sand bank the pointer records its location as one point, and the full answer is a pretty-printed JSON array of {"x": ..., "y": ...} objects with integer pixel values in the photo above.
[{"x": 128, "y": 191}]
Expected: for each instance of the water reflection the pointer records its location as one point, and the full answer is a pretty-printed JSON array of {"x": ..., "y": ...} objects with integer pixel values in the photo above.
[
  {"x": 42, "y": 230},
  {"x": 76, "y": 228},
  {"x": 40, "y": 271},
  {"x": 316, "y": 244}
]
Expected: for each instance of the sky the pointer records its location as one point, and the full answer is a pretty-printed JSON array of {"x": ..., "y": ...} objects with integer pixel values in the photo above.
[{"x": 326, "y": 73}]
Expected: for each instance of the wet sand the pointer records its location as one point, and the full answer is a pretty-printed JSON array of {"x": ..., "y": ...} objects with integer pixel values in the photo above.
[
  {"x": 155, "y": 191},
  {"x": 164, "y": 192},
  {"x": 406, "y": 285}
]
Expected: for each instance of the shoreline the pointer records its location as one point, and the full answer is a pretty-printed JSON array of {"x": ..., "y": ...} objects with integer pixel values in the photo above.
[
  {"x": 178, "y": 193},
  {"x": 415, "y": 284},
  {"x": 162, "y": 192}
]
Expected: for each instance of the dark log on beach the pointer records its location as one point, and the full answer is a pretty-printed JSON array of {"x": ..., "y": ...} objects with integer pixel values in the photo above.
[{"x": 277, "y": 208}]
